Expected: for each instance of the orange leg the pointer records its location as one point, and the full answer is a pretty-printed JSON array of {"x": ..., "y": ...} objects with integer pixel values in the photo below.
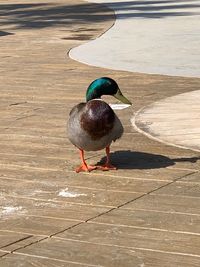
[
  {"x": 84, "y": 167},
  {"x": 107, "y": 166}
]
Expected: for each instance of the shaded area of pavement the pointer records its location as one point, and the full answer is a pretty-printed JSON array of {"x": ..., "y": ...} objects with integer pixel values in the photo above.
[
  {"x": 47, "y": 14},
  {"x": 144, "y": 214},
  {"x": 126, "y": 159},
  {"x": 152, "y": 9}
]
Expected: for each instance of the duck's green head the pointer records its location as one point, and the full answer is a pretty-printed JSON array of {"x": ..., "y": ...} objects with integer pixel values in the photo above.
[{"x": 105, "y": 86}]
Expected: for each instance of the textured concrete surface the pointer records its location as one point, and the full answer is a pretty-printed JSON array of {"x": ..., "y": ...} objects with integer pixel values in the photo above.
[
  {"x": 174, "y": 120},
  {"x": 144, "y": 214},
  {"x": 160, "y": 37}
]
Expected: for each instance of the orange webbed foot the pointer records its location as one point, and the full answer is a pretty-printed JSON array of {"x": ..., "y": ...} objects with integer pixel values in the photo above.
[{"x": 85, "y": 168}]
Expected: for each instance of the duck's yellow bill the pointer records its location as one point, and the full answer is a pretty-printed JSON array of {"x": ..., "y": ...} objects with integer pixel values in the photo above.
[{"x": 122, "y": 98}]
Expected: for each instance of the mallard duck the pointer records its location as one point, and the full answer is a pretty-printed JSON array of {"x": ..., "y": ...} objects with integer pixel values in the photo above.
[{"x": 93, "y": 125}]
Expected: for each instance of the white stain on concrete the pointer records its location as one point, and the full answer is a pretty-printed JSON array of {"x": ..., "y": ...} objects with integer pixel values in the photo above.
[
  {"x": 11, "y": 210},
  {"x": 47, "y": 204},
  {"x": 66, "y": 193}
]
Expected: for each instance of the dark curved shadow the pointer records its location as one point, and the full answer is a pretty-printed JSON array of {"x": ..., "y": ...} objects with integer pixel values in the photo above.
[{"x": 127, "y": 159}]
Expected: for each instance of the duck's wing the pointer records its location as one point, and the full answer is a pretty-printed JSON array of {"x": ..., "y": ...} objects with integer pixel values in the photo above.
[
  {"x": 118, "y": 129},
  {"x": 73, "y": 126},
  {"x": 77, "y": 109}
]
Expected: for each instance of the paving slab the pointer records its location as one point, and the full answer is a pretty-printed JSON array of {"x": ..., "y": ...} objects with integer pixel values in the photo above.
[
  {"x": 37, "y": 225},
  {"x": 11, "y": 247},
  {"x": 8, "y": 238},
  {"x": 169, "y": 203},
  {"x": 181, "y": 189},
  {"x": 88, "y": 253},
  {"x": 32, "y": 261},
  {"x": 63, "y": 194},
  {"x": 133, "y": 237},
  {"x": 3, "y": 253},
  {"x": 68, "y": 213},
  {"x": 193, "y": 178},
  {"x": 152, "y": 219}
]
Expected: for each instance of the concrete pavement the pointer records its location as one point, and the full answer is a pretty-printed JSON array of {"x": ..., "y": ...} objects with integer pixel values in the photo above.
[
  {"x": 160, "y": 37},
  {"x": 174, "y": 120},
  {"x": 144, "y": 214}
]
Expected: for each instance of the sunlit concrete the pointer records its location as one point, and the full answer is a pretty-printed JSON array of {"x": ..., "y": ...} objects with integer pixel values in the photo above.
[
  {"x": 174, "y": 120},
  {"x": 156, "y": 36}
]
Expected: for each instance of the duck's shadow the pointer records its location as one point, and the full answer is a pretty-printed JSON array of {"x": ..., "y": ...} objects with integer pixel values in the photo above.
[{"x": 127, "y": 159}]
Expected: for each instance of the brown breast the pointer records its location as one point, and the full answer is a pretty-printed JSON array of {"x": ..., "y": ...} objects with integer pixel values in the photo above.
[{"x": 97, "y": 119}]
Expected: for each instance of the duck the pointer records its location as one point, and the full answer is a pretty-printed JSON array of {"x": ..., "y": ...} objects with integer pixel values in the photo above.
[{"x": 93, "y": 125}]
